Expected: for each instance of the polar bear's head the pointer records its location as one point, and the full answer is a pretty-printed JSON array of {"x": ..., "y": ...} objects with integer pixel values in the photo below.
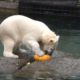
[{"x": 49, "y": 42}]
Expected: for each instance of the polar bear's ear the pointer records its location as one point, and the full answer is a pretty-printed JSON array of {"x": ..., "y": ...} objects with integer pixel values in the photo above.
[{"x": 57, "y": 37}]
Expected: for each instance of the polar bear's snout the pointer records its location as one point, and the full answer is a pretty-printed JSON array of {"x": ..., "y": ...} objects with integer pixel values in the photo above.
[
  {"x": 51, "y": 45},
  {"x": 49, "y": 51}
]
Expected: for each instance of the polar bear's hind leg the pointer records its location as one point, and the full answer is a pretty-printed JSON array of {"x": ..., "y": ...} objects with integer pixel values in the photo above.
[{"x": 8, "y": 48}]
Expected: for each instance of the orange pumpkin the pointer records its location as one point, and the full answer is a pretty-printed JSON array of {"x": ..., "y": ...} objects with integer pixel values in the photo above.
[{"x": 42, "y": 58}]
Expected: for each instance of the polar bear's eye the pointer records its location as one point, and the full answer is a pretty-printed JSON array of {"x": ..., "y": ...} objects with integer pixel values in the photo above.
[{"x": 51, "y": 41}]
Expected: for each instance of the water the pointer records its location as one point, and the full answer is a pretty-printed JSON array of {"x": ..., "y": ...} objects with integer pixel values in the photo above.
[
  {"x": 69, "y": 39},
  {"x": 70, "y": 42}
]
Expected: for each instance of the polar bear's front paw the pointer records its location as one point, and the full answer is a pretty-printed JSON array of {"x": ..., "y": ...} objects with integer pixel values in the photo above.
[{"x": 11, "y": 55}]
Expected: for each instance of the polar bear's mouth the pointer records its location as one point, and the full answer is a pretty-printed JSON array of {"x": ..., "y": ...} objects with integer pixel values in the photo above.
[
  {"x": 47, "y": 49},
  {"x": 49, "y": 52}
]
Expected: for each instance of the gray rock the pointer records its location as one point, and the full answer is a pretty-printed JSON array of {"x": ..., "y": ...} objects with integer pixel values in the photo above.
[{"x": 60, "y": 67}]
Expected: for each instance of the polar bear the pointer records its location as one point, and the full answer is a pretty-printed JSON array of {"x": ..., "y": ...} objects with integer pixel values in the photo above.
[{"x": 19, "y": 28}]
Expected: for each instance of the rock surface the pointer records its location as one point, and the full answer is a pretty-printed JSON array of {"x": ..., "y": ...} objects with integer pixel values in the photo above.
[{"x": 61, "y": 67}]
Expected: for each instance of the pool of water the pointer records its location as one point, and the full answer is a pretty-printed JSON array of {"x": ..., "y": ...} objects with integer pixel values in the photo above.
[{"x": 69, "y": 41}]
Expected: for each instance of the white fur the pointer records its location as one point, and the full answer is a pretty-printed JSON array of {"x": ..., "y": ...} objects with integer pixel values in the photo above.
[{"x": 20, "y": 28}]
